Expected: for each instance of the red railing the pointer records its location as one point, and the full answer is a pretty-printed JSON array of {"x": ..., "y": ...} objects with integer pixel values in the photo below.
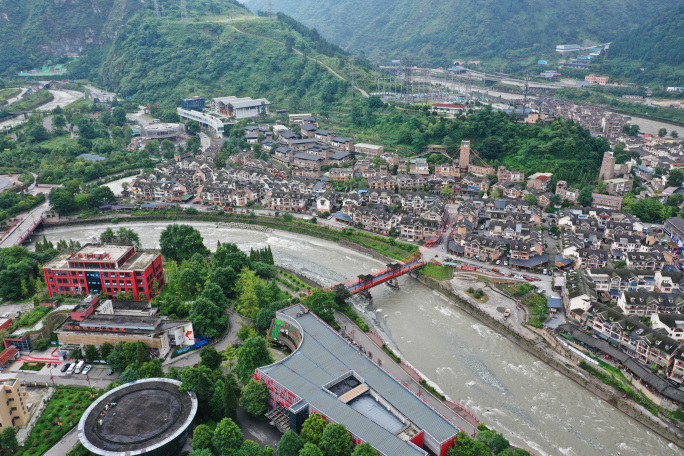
[
  {"x": 29, "y": 231},
  {"x": 357, "y": 285}
]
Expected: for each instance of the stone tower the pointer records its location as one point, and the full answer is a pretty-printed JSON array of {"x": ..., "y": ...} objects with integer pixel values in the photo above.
[
  {"x": 607, "y": 167},
  {"x": 464, "y": 160}
]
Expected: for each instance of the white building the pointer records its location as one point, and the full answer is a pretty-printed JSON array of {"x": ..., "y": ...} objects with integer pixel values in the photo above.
[{"x": 207, "y": 121}]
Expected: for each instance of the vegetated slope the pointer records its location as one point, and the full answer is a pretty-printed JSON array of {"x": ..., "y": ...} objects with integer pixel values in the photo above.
[
  {"x": 33, "y": 31},
  {"x": 435, "y": 31},
  {"x": 157, "y": 61},
  {"x": 657, "y": 47}
]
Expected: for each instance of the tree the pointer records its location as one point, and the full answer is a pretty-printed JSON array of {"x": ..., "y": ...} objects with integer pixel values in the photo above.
[
  {"x": 254, "y": 397},
  {"x": 336, "y": 440},
  {"x": 514, "y": 452},
  {"x": 249, "y": 448},
  {"x": 364, "y": 449},
  {"x": 447, "y": 191},
  {"x": 131, "y": 374},
  {"x": 252, "y": 354},
  {"x": 310, "y": 449},
  {"x": 495, "y": 193},
  {"x": 674, "y": 134},
  {"x": 556, "y": 200},
  {"x": 585, "y": 197},
  {"x": 496, "y": 442},
  {"x": 168, "y": 149},
  {"x": 117, "y": 359},
  {"x": 466, "y": 446},
  {"x": 230, "y": 401},
  {"x": 8, "y": 438},
  {"x": 108, "y": 236},
  {"x": 201, "y": 437},
  {"x": 152, "y": 147},
  {"x": 227, "y": 438},
  {"x": 208, "y": 318},
  {"x": 210, "y": 357},
  {"x": 290, "y": 444},
  {"x": 62, "y": 200},
  {"x": 313, "y": 428},
  {"x": 248, "y": 303},
  {"x": 192, "y": 127},
  {"x": 620, "y": 264},
  {"x": 119, "y": 116},
  {"x": 675, "y": 178},
  {"x": 141, "y": 354},
  {"x": 530, "y": 198},
  {"x": 202, "y": 452},
  {"x": 91, "y": 353},
  {"x": 662, "y": 132},
  {"x": 216, "y": 409},
  {"x": 225, "y": 278},
  {"x": 105, "y": 349},
  {"x": 152, "y": 369},
  {"x": 181, "y": 242}
]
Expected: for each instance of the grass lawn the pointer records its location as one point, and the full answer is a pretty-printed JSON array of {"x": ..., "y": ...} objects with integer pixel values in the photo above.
[
  {"x": 67, "y": 405},
  {"x": 436, "y": 271},
  {"x": 59, "y": 141},
  {"x": 32, "y": 366},
  {"x": 482, "y": 299},
  {"x": 9, "y": 93}
]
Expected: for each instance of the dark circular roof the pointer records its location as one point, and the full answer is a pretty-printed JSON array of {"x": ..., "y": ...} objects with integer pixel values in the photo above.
[{"x": 141, "y": 416}]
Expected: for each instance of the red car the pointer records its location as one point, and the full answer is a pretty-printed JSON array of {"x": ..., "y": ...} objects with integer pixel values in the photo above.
[{"x": 529, "y": 279}]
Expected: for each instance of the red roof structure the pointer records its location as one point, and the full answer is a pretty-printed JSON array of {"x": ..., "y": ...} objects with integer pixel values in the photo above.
[{"x": 7, "y": 354}]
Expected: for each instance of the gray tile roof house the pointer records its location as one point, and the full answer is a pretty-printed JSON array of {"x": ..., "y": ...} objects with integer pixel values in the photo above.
[{"x": 326, "y": 374}]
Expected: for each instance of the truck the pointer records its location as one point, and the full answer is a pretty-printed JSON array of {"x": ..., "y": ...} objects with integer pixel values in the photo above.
[{"x": 507, "y": 313}]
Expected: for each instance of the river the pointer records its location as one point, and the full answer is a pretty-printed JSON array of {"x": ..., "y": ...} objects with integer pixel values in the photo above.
[{"x": 510, "y": 390}]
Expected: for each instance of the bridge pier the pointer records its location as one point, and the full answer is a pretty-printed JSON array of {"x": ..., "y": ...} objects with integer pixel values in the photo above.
[
  {"x": 366, "y": 294},
  {"x": 393, "y": 283}
]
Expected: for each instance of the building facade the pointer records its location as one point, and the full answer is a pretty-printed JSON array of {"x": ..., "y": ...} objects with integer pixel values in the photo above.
[
  {"x": 14, "y": 412},
  {"x": 108, "y": 269}
]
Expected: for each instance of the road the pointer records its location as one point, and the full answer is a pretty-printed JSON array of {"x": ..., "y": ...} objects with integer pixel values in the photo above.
[
  {"x": 101, "y": 95},
  {"x": 69, "y": 441},
  {"x": 194, "y": 356},
  {"x": 28, "y": 220},
  {"x": 61, "y": 99},
  {"x": 18, "y": 97}
]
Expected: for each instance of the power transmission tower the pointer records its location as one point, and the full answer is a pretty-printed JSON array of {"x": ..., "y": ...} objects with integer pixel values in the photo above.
[
  {"x": 269, "y": 11},
  {"x": 156, "y": 8},
  {"x": 184, "y": 12},
  {"x": 407, "y": 77},
  {"x": 352, "y": 73},
  {"x": 527, "y": 86}
]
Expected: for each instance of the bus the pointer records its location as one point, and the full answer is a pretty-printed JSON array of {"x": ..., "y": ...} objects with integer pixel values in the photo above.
[{"x": 79, "y": 367}]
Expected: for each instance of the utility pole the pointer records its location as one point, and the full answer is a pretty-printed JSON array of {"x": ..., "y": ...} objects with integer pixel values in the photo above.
[
  {"x": 184, "y": 12},
  {"x": 156, "y": 8}
]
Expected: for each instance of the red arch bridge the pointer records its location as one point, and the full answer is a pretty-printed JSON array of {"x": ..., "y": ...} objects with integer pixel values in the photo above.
[{"x": 391, "y": 272}]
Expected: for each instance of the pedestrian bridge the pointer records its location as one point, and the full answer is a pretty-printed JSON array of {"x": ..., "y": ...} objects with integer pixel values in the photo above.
[{"x": 391, "y": 272}]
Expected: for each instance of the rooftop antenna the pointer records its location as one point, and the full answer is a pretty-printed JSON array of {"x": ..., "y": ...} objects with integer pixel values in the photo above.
[
  {"x": 156, "y": 8},
  {"x": 184, "y": 12}
]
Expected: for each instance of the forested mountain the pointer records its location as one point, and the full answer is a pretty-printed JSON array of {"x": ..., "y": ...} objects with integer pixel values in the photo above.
[
  {"x": 657, "y": 47},
  {"x": 435, "y": 31},
  {"x": 154, "y": 56}
]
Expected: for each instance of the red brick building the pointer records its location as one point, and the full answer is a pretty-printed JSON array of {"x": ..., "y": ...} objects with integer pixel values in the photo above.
[{"x": 108, "y": 269}]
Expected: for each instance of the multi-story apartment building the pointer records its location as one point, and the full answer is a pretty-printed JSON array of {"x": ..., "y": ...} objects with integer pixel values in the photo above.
[{"x": 14, "y": 413}]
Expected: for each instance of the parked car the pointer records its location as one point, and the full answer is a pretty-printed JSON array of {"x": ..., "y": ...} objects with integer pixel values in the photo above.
[
  {"x": 110, "y": 372},
  {"x": 65, "y": 367},
  {"x": 87, "y": 369},
  {"x": 498, "y": 261}
]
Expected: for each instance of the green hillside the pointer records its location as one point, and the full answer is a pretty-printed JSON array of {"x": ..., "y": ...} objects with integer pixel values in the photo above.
[
  {"x": 222, "y": 48},
  {"x": 160, "y": 62},
  {"x": 436, "y": 31},
  {"x": 657, "y": 47}
]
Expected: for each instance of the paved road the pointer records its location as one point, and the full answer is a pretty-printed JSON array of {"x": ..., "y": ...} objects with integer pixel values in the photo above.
[
  {"x": 18, "y": 97},
  {"x": 29, "y": 219},
  {"x": 62, "y": 447},
  {"x": 194, "y": 357},
  {"x": 61, "y": 99},
  {"x": 101, "y": 95}
]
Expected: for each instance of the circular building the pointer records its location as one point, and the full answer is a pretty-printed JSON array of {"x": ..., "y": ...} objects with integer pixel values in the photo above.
[
  {"x": 147, "y": 417},
  {"x": 162, "y": 130}
]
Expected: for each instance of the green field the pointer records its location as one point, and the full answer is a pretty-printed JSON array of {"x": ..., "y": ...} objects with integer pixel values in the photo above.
[{"x": 436, "y": 271}]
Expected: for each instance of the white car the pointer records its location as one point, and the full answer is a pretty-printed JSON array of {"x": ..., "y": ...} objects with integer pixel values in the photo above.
[{"x": 87, "y": 369}]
